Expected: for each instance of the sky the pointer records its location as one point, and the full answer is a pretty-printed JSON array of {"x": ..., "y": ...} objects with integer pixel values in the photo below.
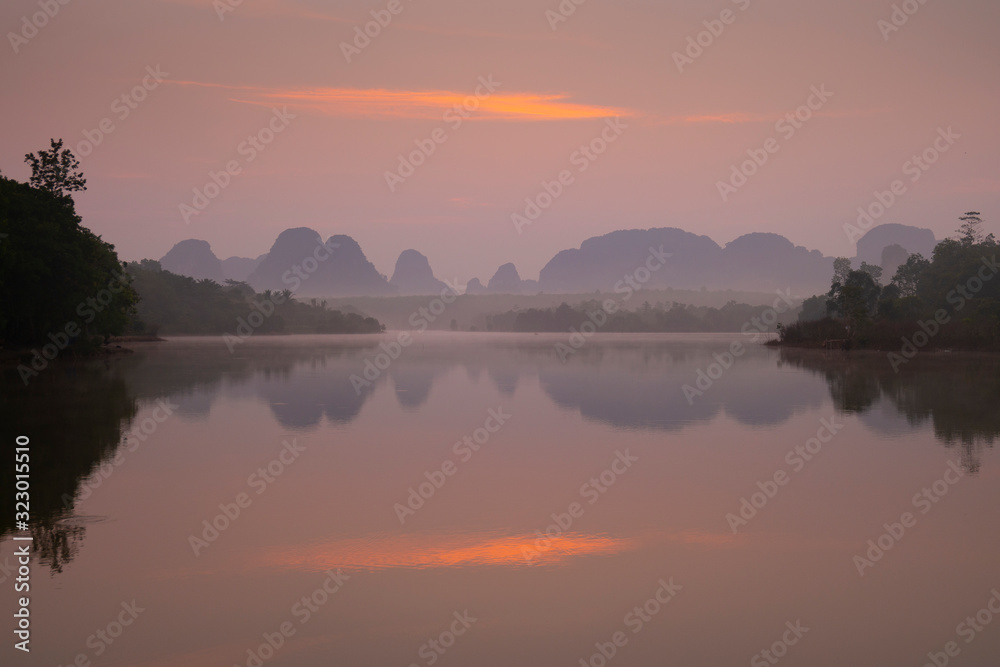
[{"x": 606, "y": 114}]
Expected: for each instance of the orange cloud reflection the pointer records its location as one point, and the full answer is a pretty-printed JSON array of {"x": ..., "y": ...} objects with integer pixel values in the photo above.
[{"x": 436, "y": 551}]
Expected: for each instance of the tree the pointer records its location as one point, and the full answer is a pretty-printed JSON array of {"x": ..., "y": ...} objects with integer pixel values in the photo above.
[
  {"x": 56, "y": 170},
  {"x": 971, "y": 231},
  {"x": 841, "y": 267},
  {"x": 873, "y": 270},
  {"x": 908, "y": 274},
  {"x": 855, "y": 300},
  {"x": 59, "y": 282},
  {"x": 814, "y": 308}
]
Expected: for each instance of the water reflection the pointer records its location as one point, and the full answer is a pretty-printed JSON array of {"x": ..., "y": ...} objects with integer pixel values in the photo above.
[
  {"x": 430, "y": 551},
  {"x": 957, "y": 393},
  {"x": 78, "y": 415},
  {"x": 75, "y": 418}
]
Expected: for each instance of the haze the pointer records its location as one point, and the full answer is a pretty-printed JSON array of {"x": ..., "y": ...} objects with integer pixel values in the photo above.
[{"x": 347, "y": 123}]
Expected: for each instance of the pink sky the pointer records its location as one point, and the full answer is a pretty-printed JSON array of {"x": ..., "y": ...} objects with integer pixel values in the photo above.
[{"x": 555, "y": 90}]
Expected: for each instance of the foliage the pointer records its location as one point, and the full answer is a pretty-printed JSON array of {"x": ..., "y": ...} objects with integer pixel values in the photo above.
[
  {"x": 56, "y": 170},
  {"x": 971, "y": 230},
  {"x": 855, "y": 300},
  {"x": 57, "y": 278},
  {"x": 841, "y": 267},
  {"x": 960, "y": 286},
  {"x": 873, "y": 270},
  {"x": 814, "y": 308},
  {"x": 909, "y": 273},
  {"x": 174, "y": 304}
]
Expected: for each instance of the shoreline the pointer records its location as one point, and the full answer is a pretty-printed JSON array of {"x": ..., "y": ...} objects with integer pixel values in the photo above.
[
  {"x": 820, "y": 346},
  {"x": 113, "y": 348}
]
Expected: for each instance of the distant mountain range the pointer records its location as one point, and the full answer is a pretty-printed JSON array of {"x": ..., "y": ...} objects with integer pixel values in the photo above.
[{"x": 301, "y": 261}]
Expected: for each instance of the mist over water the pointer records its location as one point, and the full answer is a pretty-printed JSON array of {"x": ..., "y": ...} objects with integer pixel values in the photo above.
[{"x": 480, "y": 475}]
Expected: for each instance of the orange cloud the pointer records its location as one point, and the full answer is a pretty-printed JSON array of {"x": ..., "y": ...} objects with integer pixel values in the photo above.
[{"x": 418, "y": 104}]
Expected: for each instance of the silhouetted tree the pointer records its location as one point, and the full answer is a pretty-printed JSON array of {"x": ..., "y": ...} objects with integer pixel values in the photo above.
[
  {"x": 971, "y": 231},
  {"x": 873, "y": 270},
  {"x": 56, "y": 170},
  {"x": 59, "y": 282},
  {"x": 908, "y": 274},
  {"x": 855, "y": 300}
]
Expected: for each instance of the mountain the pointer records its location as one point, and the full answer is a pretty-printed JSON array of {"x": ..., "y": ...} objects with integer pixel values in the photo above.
[
  {"x": 193, "y": 258},
  {"x": 413, "y": 275},
  {"x": 770, "y": 261},
  {"x": 757, "y": 261},
  {"x": 507, "y": 281},
  {"x": 240, "y": 268},
  {"x": 912, "y": 239},
  {"x": 300, "y": 261},
  {"x": 893, "y": 256},
  {"x": 602, "y": 261}
]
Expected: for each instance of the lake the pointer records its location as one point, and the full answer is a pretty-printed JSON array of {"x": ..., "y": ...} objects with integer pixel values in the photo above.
[{"x": 487, "y": 499}]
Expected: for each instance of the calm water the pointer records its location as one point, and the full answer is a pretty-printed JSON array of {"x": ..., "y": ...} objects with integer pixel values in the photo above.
[{"x": 632, "y": 481}]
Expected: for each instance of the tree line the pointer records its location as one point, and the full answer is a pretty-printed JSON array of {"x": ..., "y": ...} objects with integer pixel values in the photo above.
[
  {"x": 949, "y": 300},
  {"x": 62, "y": 285}
]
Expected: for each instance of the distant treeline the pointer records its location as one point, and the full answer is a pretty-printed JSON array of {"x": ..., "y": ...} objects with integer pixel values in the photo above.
[
  {"x": 660, "y": 318},
  {"x": 173, "y": 304},
  {"x": 949, "y": 301}
]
